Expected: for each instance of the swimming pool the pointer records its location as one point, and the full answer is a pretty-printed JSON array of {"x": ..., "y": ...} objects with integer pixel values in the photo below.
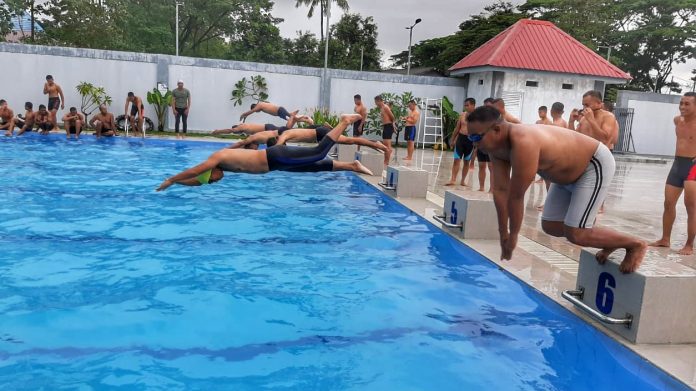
[{"x": 284, "y": 282}]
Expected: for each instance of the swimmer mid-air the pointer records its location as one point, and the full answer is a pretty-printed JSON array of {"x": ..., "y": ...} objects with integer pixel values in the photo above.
[{"x": 276, "y": 158}]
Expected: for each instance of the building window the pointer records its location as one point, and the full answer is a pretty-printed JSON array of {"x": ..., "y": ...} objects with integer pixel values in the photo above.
[
  {"x": 480, "y": 82},
  {"x": 567, "y": 86},
  {"x": 532, "y": 83}
]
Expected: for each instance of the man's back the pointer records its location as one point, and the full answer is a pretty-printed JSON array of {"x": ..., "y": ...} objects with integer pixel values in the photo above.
[
  {"x": 563, "y": 155},
  {"x": 243, "y": 160}
]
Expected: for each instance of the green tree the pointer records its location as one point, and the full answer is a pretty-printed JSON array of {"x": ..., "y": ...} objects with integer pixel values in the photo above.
[
  {"x": 322, "y": 4},
  {"x": 255, "y": 36},
  {"x": 81, "y": 23},
  {"x": 442, "y": 53},
  {"x": 351, "y": 35},
  {"x": 303, "y": 50},
  {"x": 648, "y": 37},
  {"x": 15, "y": 9}
]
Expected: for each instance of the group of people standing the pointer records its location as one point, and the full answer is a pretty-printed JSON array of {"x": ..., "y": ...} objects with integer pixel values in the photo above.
[{"x": 45, "y": 120}]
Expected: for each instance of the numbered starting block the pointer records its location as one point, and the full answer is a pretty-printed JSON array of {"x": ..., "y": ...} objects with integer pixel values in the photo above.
[
  {"x": 472, "y": 216},
  {"x": 406, "y": 182},
  {"x": 346, "y": 153},
  {"x": 372, "y": 160},
  {"x": 655, "y": 304}
]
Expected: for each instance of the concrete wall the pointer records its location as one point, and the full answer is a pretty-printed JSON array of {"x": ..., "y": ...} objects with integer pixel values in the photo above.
[
  {"x": 548, "y": 91},
  {"x": 210, "y": 82},
  {"x": 480, "y": 91},
  {"x": 653, "y": 121}
]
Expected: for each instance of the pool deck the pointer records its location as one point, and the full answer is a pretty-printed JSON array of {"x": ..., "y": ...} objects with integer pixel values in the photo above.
[{"x": 549, "y": 264}]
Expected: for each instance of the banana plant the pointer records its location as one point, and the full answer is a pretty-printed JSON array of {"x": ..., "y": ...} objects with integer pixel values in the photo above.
[{"x": 161, "y": 104}]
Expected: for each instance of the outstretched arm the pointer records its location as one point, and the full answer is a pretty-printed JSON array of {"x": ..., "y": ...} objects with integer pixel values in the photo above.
[
  {"x": 188, "y": 177},
  {"x": 248, "y": 113}
]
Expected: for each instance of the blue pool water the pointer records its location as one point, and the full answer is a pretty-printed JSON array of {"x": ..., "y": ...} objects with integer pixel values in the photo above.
[{"x": 275, "y": 282}]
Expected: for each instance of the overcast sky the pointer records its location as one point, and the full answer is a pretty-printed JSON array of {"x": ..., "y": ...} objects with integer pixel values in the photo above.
[{"x": 440, "y": 18}]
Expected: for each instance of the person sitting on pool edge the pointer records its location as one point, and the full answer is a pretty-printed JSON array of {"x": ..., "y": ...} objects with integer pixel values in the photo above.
[
  {"x": 580, "y": 169},
  {"x": 276, "y": 158}
]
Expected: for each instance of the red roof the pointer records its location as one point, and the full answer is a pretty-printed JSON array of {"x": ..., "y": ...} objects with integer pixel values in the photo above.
[{"x": 539, "y": 45}]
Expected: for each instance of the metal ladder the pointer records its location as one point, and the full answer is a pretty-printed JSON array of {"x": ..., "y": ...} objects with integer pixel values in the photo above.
[{"x": 432, "y": 122}]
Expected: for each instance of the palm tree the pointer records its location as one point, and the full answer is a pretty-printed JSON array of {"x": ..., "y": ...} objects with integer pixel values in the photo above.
[{"x": 312, "y": 4}]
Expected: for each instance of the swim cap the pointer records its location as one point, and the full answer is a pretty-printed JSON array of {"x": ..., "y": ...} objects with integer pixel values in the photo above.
[{"x": 204, "y": 178}]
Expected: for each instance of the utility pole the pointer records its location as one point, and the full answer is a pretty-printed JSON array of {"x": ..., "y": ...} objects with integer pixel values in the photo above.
[
  {"x": 177, "y": 26},
  {"x": 362, "y": 55},
  {"x": 326, "y": 43}
]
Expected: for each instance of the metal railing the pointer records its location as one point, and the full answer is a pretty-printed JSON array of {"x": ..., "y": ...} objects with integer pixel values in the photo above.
[
  {"x": 575, "y": 297},
  {"x": 624, "y": 116}
]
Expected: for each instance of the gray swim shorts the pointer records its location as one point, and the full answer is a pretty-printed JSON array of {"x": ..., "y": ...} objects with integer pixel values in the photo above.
[{"x": 577, "y": 204}]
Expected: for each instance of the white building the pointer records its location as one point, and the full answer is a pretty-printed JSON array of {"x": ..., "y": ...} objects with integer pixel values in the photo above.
[{"x": 533, "y": 63}]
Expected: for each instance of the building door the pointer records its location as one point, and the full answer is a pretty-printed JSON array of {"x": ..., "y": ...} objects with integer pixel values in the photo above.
[{"x": 513, "y": 102}]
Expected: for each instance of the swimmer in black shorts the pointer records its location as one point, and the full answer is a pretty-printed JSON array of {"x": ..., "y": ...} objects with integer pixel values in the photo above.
[
  {"x": 276, "y": 158},
  {"x": 360, "y": 108},
  {"x": 318, "y": 134},
  {"x": 56, "y": 99},
  {"x": 137, "y": 112},
  {"x": 463, "y": 147},
  {"x": 73, "y": 122},
  {"x": 43, "y": 120},
  {"x": 387, "y": 126}
]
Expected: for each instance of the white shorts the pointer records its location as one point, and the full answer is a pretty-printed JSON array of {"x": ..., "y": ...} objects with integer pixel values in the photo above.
[{"x": 577, "y": 204}]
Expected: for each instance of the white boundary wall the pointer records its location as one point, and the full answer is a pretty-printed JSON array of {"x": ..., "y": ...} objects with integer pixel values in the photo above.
[{"x": 210, "y": 82}]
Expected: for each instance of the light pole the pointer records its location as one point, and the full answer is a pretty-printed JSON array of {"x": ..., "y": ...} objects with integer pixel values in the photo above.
[
  {"x": 362, "y": 56},
  {"x": 410, "y": 41},
  {"x": 326, "y": 44},
  {"x": 177, "y": 26}
]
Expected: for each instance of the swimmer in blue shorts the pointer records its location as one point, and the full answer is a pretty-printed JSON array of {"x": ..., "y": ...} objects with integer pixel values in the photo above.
[
  {"x": 276, "y": 111},
  {"x": 580, "y": 169},
  {"x": 275, "y": 158},
  {"x": 463, "y": 147}
]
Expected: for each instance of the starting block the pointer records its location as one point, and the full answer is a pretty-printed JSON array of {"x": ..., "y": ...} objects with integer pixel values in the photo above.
[
  {"x": 372, "y": 160},
  {"x": 655, "y": 304},
  {"x": 346, "y": 153},
  {"x": 472, "y": 216},
  {"x": 406, "y": 182}
]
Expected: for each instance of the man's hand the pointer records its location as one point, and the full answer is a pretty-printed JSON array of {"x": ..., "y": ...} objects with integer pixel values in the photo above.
[
  {"x": 242, "y": 117},
  {"x": 174, "y": 111},
  {"x": 186, "y": 111},
  {"x": 588, "y": 113},
  {"x": 574, "y": 115},
  {"x": 164, "y": 185},
  {"x": 62, "y": 106}
]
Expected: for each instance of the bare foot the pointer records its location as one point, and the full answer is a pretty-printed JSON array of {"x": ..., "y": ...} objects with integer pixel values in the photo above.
[
  {"x": 358, "y": 167},
  {"x": 634, "y": 257},
  {"x": 660, "y": 243},
  {"x": 450, "y": 183},
  {"x": 462, "y": 183},
  {"x": 481, "y": 189},
  {"x": 408, "y": 158},
  {"x": 350, "y": 118},
  {"x": 688, "y": 249},
  {"x": 602, "y": 256}
]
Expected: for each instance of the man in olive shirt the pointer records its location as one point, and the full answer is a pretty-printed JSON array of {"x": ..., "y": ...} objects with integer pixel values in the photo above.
[{"x": 181, "y": 101}]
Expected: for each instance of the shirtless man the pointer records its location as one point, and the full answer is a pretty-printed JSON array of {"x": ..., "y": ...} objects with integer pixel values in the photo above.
[
  {"x": 387, "y": 126},
  {"x": 543, "y": 119},
  {"x": 55, "y": 99},
  {"x": 557, "y": 115},
  {"x": 27, "y": 123},
  {"x": 463, "y": 147},
  {"x": 43, "y": 120},
  {"x": 318, "y": 134},
  {"x": 360, "y": 108},
  {"x": 580, "y": 169},
  {"x": 484, "y": 160},
  {"x": 73, "y": 122},
  {"x": 103, "y": 123},
  {"x": 249, "y": 129},
  {"x": 276, "y": 111},
  {"x": 275, "y": 158},
  {"x": 137, "y": 109},
  {"x": 7, "y": 116},
  {"x": 682, "y": 176},
  {"x": 595, "y": 122},
  {"x": 410, "y": 130}
]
